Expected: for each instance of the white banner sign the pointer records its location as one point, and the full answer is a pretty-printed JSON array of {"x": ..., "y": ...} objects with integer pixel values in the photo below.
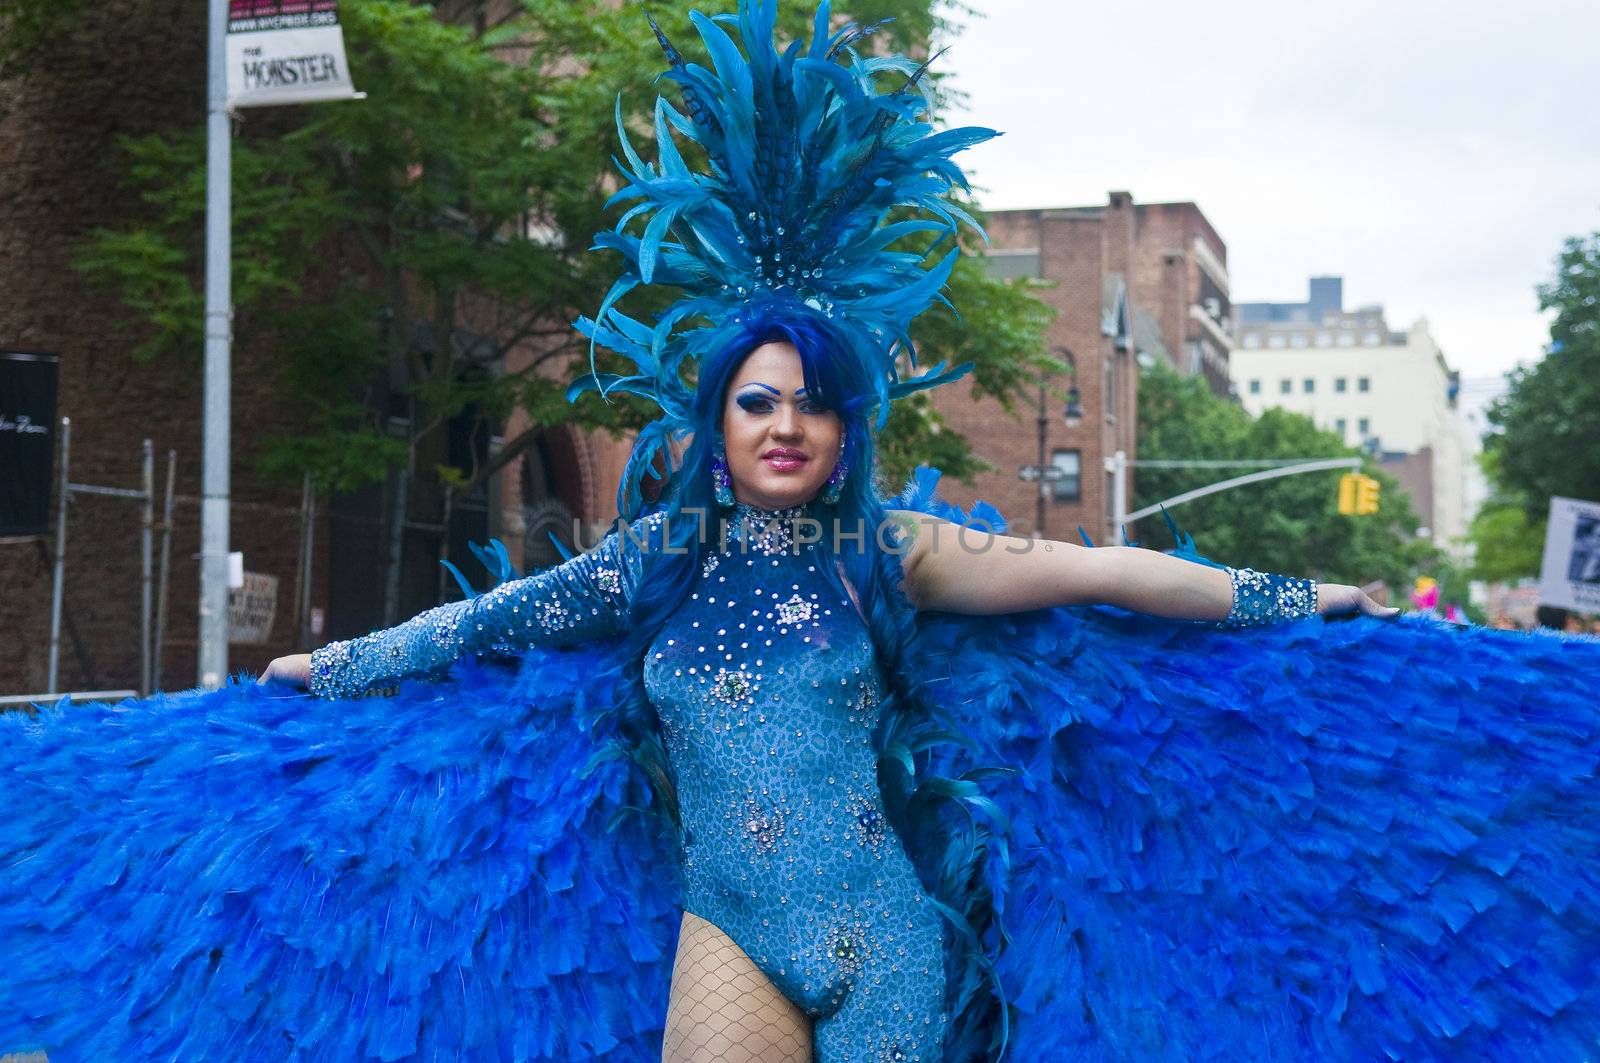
[
  {"x": 251, "y": 609},
  {"x": 1570, "y": 577},
  {"x": 284, "y": 51}
]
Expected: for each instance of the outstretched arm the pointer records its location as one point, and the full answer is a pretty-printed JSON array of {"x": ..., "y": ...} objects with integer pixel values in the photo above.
[
  {"x": 586, "y": 598},
  {"x": 963, "y": 570}
]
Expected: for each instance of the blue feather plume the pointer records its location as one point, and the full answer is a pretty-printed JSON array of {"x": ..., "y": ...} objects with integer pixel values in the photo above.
[{"x": 812, "y": 150}]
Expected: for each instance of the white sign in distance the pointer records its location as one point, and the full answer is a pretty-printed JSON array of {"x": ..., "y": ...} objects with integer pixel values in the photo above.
[
  {"x": 1570, "y": 575},
  {"x": 287, "y": 59},
  {"x": 251, "y": 610}
]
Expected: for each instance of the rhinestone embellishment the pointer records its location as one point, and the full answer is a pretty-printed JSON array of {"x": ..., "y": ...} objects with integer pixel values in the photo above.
[
  {"x": 731, "y": 688},
  {"x": 764, "y": 825},
  {"x": 796, "y": 611}
]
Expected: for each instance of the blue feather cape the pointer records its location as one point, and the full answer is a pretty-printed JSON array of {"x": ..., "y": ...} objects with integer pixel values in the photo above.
[{"x": 1342, "y": 840}]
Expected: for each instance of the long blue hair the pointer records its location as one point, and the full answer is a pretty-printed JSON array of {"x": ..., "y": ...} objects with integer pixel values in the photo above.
[{"x": 950, "y": 847}]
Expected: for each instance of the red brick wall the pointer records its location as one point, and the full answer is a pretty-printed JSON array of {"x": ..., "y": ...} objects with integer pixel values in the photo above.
[
  {"x": 1076, "y": 249},
  {"x": 60, "y": 180},
  {"x": 1166, "y": 274}
]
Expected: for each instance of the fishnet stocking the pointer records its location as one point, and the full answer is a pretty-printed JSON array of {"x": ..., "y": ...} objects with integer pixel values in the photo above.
[{"x": 722, "y": 1009}]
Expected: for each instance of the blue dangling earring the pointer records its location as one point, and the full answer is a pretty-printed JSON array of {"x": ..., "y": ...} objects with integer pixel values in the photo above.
[
  {"x": 835, "y": 484},
  {"x": 720, "y": 479}
]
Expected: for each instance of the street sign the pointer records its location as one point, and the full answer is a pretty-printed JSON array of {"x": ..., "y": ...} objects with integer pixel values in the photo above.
[{"x": 1034, "y": 473}]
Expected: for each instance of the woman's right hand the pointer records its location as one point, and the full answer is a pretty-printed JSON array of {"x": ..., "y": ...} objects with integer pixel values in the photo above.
[{"x": 295, "y": 670}]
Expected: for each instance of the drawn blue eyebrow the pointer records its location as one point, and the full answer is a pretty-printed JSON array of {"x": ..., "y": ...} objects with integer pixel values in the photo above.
[{"x": 800, "y": 393}]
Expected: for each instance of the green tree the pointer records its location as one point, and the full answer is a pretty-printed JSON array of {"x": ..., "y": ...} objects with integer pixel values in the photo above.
[
  {"x": 422, "y": 253},
  {"x": 1544, "y": 427},
  {"x": 1507, "y": 544},
  {"x": 1291, "y": 525}
]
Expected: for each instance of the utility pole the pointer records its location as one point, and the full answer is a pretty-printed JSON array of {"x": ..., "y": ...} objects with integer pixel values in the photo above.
[{"x": 214, "y": 512}]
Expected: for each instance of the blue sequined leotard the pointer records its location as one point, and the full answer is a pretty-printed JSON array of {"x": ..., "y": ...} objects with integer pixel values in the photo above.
[{"x": 767, "y": 689}]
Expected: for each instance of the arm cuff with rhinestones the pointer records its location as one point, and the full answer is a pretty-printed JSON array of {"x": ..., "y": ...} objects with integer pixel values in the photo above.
[
  {"x": 331, "y": 674},
  {"x": 1261, "y": 598}
]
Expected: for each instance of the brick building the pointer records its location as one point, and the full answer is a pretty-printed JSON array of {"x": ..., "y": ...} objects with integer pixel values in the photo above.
[
  {"x": 60, "y": 179},
  {"x": 1132, "y": 285}
]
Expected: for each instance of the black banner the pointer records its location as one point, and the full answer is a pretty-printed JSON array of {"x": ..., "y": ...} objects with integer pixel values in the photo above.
[{"x": 27, "y": 441}]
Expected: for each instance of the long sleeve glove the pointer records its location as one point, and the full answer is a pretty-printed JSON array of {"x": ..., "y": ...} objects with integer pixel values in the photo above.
[{"x": 585, "y": 598}]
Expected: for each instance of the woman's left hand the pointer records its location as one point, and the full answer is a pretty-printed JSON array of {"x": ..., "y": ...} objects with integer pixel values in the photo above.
[{"x": 1334, "y": 599}]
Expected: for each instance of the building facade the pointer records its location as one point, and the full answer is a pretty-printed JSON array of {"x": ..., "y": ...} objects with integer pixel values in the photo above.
[
  {"x": 1389, "y": 391},
  {"x": 62, "y": 177},
  {"x": 1132, "y": 286}
]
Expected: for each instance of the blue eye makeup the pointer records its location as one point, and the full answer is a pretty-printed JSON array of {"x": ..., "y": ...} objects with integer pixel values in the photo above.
[{"x": 758, "y": 398}]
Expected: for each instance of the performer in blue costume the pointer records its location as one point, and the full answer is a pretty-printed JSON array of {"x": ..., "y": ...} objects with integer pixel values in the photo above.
[{"x": 777, "y": 798}]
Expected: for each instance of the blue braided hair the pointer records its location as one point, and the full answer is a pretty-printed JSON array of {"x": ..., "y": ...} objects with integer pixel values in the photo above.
[{"x": 822, "y": 163}]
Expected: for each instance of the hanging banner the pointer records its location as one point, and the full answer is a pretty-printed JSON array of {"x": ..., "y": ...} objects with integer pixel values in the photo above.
[
  {"x": 1570, "y": 576},
  {"x": 27, "y": 441},
  {"x": 286, "y": 51}
]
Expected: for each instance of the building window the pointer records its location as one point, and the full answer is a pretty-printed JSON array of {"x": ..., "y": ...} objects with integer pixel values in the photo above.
[
  {"x": 1364, "y": 427},
  {"x": 1347, "y": 339},
  {"x": 1364, "y": 383},
  {"x": 1309, "y": 385},
  {"x": 1285, "y": 386},
  {"x": 1111, "y": 390},
  {"x": 1111, "y": 515},
  {"x": 1324, "y": 339},
  {"x": 1339, "y": 425},
  {"x": 1255, "y": 387},
  {"x": 1339, "y": 384},
  {"x": 1275, "y": 340},
  {"x": 1252, "y": 339},
  {"x": 1298, "y": 340},
  {"x": 1370, "y": 339},
  {"x": 1070, "y": 487}
]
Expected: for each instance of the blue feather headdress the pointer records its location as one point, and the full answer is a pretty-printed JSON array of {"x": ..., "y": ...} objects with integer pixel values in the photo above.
[{"x": 821, "y": 161}]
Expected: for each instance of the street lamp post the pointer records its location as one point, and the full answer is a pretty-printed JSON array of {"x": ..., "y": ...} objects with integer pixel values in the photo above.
[
  {"x": 1044, "y": 481},
  {"x": 1044, "y": 471}
]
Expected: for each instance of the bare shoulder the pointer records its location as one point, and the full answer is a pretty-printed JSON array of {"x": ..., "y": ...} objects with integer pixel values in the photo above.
[
  {"x": 924, "y": 542},
  {"x": 911, "y": 532}
]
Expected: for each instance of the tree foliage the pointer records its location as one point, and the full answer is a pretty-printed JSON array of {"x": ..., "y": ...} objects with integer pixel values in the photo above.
[
  {"x": 1547, "y": 422},
  {"x": 1545, "y": 425},
  {"x": 422, "y": 253},
  {"x": 1291, "y": 525}
]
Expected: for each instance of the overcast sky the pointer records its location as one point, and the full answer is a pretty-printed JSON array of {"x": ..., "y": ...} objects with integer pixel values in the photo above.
[{"x": 1433, "y": 153}]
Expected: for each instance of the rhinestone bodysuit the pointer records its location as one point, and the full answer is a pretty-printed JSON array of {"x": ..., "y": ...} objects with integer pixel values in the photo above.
[{"x": 767, "y": 688}]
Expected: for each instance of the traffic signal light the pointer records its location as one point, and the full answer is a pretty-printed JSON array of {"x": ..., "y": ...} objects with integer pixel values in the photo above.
[
  {"x": 1358, "y": 495},
  {"x": 1366, "y": 496}
]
